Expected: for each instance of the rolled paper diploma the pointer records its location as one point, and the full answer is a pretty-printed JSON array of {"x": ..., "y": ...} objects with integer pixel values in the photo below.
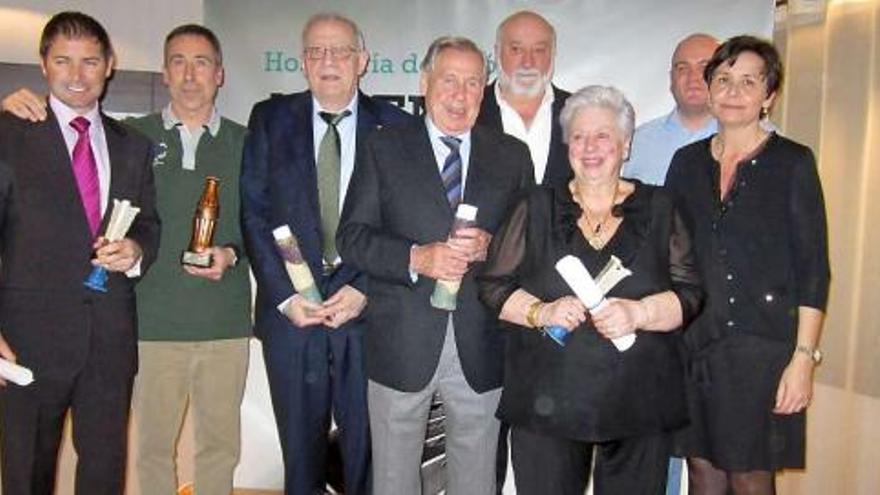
[
  {"x": 585, "y": 288},
  {"x": 15, "y": 373},
  {"x": 121, "y": 218},
  {"x": 445, "y": 293},
  {"x": 297, "y": 268}
]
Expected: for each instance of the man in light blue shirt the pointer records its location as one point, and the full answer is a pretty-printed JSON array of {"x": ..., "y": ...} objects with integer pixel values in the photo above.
[{"x": 656, "y": 141}]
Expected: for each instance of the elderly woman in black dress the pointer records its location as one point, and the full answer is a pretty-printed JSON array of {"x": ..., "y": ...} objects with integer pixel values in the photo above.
[
  {"x": 754, "y": 204},
  {"x": 561, "y": 401}
]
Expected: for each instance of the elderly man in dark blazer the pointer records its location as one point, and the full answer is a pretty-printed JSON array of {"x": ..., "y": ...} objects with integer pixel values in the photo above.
[
  {"x": 313, "y": 352},
  {"x": 60, "y": 178},
  {"x": 522, "y": 101},
  {"x": 395, "y": 227}
]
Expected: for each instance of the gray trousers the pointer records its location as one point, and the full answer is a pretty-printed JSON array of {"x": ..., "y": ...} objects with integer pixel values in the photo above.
[{"x": 397, "y": 427}]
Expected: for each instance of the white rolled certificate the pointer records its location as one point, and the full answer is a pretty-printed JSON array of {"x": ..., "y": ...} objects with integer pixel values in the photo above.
[
  {"x": 297, "y": 269},
  {"x": 446, "y": 291},
  {"x": 15, "y": 373},
  {"x": 585, "y": 288},
  {"x": 121, "y": 218}
]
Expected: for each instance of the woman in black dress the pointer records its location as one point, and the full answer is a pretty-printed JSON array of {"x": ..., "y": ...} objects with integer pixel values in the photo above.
[
  {"x": 754, "y": 205},
  {"x": 563, "y": 400}
]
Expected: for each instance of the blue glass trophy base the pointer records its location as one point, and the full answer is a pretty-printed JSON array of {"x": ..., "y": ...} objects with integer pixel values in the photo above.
[
  {"x": 558, "y": 334},
  {"x": 97, "y": 280}
]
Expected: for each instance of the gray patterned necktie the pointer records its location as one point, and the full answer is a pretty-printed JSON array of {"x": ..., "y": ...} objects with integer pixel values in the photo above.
[{"x": 328, "y": 182}]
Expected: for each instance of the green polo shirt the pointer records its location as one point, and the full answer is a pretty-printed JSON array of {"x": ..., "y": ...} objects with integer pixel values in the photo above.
[{"x": 173, "y": 305}]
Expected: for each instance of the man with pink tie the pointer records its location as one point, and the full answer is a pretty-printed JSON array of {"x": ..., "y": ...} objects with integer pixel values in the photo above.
[{"x": 56, "y": 181}]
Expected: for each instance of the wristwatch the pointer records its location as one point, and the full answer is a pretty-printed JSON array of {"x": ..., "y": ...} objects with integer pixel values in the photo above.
[{"x": 813, "y": 352}]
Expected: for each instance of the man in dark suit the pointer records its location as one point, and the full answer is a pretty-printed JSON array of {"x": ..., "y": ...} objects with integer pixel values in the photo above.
[
  {"x": 395, "y": 227},
  {"x": 522, "y": 101},
  {"x": 81, "y": 345},
  {"x": 297, "y": 162}
]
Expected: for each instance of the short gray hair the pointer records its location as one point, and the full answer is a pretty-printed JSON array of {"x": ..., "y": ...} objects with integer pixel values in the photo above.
[
  {"x": 451, "y": 43},
  {"x": 334, "y": 17},
  {"x": 607, "y": 97}
]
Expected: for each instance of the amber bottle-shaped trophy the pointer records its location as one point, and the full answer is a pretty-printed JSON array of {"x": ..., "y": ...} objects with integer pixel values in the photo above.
[{"x": 204, "y": 225}]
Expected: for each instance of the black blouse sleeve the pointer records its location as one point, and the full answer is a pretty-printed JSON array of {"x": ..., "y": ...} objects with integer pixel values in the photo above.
[
  {"x": 809, "y": 233},
  {"x": 683, "y": 271},
  {"x": 507, "y": 250}
]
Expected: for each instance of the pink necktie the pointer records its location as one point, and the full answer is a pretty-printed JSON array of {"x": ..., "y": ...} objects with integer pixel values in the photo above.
[{"x": 86, "y": 171}]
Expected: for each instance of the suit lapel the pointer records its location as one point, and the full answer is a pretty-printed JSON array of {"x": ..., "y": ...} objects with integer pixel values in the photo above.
[
  {"x": 421, "y": 157},
  {"x": 115, "y": 137},
  {"x": 50, "y": 152},
  {"x": 302, "y": 138},
  {"x": 490, "y": 112},
  {"x": 476, "y": 180},
  {"x": 367, "y": 120},
  {"x": 553, "y": 157}
]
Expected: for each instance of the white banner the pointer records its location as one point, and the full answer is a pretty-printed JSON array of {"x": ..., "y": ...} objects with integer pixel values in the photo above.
[{"x": 627, "y": 44}]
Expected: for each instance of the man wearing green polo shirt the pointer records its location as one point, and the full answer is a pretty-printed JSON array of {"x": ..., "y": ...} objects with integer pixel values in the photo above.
[{"x": 194, "y": 322}]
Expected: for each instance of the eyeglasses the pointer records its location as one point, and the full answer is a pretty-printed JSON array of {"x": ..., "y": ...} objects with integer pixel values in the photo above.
[
  {"x": 745, "y": 84},
  {"x": 335, "y": 52}
]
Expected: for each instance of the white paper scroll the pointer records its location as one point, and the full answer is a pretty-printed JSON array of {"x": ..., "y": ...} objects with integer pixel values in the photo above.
[
  {"x": 15, "y": 373},
  {"x": 297, "y": 269},
  {"x": 592, "y": 292},
  {"x": 121, "y": 219},
  {"x": 445, "y": 295}
]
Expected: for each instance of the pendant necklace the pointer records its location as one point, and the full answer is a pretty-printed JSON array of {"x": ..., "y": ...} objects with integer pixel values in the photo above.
[{"x": 595, "y": 231}]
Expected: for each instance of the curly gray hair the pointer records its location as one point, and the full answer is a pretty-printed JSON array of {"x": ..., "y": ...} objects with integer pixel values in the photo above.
[{"x": 607, "y": 97}]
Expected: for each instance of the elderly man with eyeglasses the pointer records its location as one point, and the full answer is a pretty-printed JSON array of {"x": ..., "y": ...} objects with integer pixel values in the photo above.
[{"x": 298, "y": 160}]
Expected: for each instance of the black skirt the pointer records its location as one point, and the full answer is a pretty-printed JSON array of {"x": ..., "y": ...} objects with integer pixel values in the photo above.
[{"x": 731, "y": 388}]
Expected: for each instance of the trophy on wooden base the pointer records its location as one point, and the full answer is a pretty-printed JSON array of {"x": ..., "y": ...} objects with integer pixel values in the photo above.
[{"x": 204, "y": 224}]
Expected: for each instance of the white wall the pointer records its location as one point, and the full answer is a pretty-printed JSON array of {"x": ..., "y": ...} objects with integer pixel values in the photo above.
[{"x": 137, "y": 28}]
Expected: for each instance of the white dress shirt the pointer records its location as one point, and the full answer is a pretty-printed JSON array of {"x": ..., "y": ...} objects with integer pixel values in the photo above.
[
  {"x": 537, "y": 136},
  {"x": 65, "y": 115}
]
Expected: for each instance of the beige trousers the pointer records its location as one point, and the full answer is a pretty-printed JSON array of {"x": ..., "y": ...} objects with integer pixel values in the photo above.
[{"x": 207, "y": 376}]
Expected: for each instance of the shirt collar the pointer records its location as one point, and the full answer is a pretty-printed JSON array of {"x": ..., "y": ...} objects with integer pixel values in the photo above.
[
  {"x": 351, "y": 107},
  {"x": 435, "y": 133},
  {"x": 65, "y": 114},
  {"x": 170, "y": 121},
  {"x": 673, "y": 120}
]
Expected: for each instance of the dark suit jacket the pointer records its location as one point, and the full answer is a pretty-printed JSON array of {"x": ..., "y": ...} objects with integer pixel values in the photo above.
[
  {"x": 279, "y": 186},
  {"x": 558, "y": 170},
  {"x": 46, "y": 314},
  {"x": 397, "y": 199}
]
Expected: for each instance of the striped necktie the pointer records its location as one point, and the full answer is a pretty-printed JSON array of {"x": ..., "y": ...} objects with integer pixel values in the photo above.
[{"x": 451, "y": 173}]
